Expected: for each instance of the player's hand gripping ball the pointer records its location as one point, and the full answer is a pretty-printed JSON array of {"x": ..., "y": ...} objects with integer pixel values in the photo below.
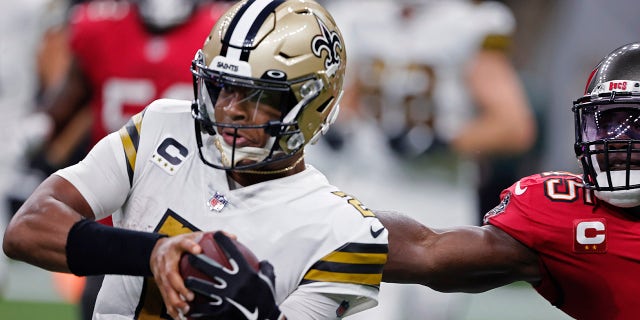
[
  {"x": 212, "y": 250},
  {"x": 230, "y": 282}
]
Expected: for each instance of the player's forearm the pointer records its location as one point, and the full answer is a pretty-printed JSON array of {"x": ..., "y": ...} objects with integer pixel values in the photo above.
[
  {"x": 443, "y": 260},
  {"x": 477, "y": 259},
  {"x": 461, "y": 259},
  {"x": 408, "y": 260},
  {"x": 472, "y": 284},
  {"x": 37, "y": 234},
  {"x": 82, "y": 247}
]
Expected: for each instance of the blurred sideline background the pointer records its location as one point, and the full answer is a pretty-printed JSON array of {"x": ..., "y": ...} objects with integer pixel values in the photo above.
[{"x": 555, "y": 45}]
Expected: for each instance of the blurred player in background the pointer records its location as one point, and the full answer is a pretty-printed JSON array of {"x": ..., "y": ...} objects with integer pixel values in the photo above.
[
  {"x": 430, "y": 91},
  {"x": 124, "y": 54},
  {"x": 26, "y": 29}
]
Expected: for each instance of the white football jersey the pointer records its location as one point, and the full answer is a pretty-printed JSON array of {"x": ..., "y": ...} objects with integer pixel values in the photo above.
[{"x": 316, "y": 237}]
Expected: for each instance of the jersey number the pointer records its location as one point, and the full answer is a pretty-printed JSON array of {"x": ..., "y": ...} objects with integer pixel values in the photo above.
[
  {"x": 364, "y": 211},
  {"x": 566, "y": 189}
]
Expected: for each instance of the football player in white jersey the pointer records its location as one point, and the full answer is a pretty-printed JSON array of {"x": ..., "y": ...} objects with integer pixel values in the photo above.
[
  {"x": 267, "y": 82},
  {"x": 429, "y": 91}
]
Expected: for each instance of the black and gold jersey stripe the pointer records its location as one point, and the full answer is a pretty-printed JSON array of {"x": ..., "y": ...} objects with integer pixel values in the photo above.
[
  {"x": 356, "y": 263},
  {"x": 130, "y": 136}
]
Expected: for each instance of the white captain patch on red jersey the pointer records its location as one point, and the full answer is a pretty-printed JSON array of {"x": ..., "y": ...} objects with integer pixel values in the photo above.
[{"x": 590, "y": 236}]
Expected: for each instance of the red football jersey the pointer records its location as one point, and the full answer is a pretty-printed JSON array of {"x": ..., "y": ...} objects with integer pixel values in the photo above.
[
  {"x": 129, "y": 67},
  {"x": 589, "y": 251}
]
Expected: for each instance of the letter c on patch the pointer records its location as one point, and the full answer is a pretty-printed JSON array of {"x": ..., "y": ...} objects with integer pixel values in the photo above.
[
  {"x": 590, "y": 232},
  {"x": 172, "y": 151}
]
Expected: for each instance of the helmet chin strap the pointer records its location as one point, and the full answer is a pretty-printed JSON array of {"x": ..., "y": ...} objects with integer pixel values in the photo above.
[
  {"x": 276, "y": 171},
  {"x": 249, "y": 153},
  {"x": 621, "y": 198},
  {"x": 243, "y": 153}
]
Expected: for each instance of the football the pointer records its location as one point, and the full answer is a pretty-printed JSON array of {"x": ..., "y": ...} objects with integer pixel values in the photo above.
[{"x": 211, "y": 249}]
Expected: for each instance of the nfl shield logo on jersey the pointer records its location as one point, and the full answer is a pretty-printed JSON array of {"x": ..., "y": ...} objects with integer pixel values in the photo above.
[
  {"x": 217, "y": 202},
  {"x": 498, "y": 209}
]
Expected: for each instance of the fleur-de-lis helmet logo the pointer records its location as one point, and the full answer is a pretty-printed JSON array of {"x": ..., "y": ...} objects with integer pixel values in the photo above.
[{"x": 327, "y": 41}]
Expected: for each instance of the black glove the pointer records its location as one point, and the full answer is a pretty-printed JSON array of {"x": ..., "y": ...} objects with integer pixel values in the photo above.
[{"x": 239, "y": 293}]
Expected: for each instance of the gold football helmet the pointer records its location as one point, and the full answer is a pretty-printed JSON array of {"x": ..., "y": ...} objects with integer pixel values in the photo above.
[{"x": 285, "y": 53}]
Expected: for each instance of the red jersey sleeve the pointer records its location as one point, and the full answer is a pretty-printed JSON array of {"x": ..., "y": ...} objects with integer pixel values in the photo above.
[
  {"x": 532, "y": 209},
  {"x": 512, "y": 214}
]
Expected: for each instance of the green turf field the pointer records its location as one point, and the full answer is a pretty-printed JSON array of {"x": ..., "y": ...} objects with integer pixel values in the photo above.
[
  {"x": 19, "y": 310},
  {"x": 30, "y": 295}
]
